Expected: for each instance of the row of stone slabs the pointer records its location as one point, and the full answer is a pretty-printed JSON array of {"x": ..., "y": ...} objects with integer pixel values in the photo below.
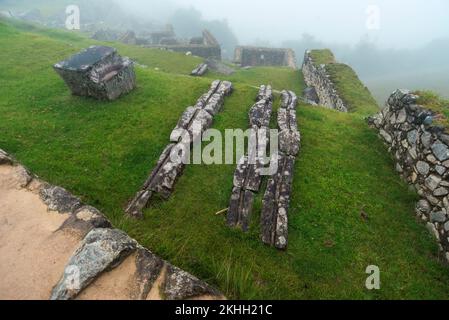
[
  {"x": 193, "y": 122},
  {"x": 247, "y": 177}
]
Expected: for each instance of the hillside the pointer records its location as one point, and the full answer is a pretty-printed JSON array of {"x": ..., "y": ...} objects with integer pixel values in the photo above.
[{"x": 102, "y": 152}]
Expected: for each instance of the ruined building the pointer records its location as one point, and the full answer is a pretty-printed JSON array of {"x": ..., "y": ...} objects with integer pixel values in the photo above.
[
  {"x": 98, "y": 72},
  {"x": 205, "y": 46},
  {"x": 257, "y": 56}
]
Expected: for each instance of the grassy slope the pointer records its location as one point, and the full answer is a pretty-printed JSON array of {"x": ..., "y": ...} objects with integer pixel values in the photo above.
[
  {"x": 103, "y": 151},
  {"x": 352, "y": 91}
]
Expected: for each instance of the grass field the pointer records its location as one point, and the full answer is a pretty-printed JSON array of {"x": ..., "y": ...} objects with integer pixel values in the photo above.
[{"x": 103, "y": 151}]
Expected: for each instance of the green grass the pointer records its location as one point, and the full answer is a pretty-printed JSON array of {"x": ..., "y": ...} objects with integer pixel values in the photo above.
[
  {"x": 436, "y": 103},
  {"x": 352, "y": 91},
  {"x": 324, "y": 56},
  {"x": 103, "y": 151}
]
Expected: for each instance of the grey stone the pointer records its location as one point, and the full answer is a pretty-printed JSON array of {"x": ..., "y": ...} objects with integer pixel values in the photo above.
[
  {"x": 441, "y": 192},
  {"x": 440, "y": 151},
  {"x": 399, "y": 168},
  {"x": 180, "y": 285},
  {"x": 433, "y": 230},
  {"x": 101, "y": 250},
  {"x": 439, "y": 216},
  {"x": 412, "y": 137},
  {"x": 58, "y": 199},
  {"x": 423, "y": 168},
  {"x": 98, "y": 72},
  {"x": 276, "y": 201},
  {"x": 434, "y": 201},
  {"x": 85, "y": 219},
  {"x": 260, "y": 113},
  {"x": 423, "y": 206},
  {"x": 402, "y": 116},
  {"x": 200, "y": 70},
  {"x": 432, "y": 182},
  {"x": 412, "y": 153},
  {"x": 265, "y": 93},
  {"x": 426, "y": 139},
  {"x": 240, "y": 208},
  {"x": 440, "y": 170},
  {"x": 290, "y": 142},
  {"x": 385, "y": 135},
  {"x": 148, "y": 269},
  {"x": 431, "y": 159},
  {"x": 446, "y": 226}
]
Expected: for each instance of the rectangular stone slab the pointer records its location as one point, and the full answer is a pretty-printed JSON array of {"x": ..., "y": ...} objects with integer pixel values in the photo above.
[
  {"x": 240, "y": 207},
  {"x": 274, "y": 219}
]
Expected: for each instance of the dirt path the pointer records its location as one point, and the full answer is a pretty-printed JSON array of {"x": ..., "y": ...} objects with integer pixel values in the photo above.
[{"x": 53, "y": 246}]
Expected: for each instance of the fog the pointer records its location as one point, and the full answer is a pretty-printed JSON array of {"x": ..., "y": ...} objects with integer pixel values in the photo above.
[
  {"x": 402, "y": 23},
  {"x": 390, "y": 43}
]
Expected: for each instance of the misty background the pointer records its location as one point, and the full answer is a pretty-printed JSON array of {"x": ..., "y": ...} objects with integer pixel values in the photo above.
[{"x": 390, "y": 43}]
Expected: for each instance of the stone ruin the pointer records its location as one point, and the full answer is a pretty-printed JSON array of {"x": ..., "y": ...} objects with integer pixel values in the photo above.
[
  {"x": 98, "y": 72},
  {"x": 195, "y": 120},
  {"x": 247, "y": 179},
  {"x": 206, "y": 46},
  {"x": 248, "y": 56},
  {"x": 321, "y": 90},
  {"x": 276, "y": 200},
  {"x": 420, "y": 148},
  {"x": 200, "y": 70}
]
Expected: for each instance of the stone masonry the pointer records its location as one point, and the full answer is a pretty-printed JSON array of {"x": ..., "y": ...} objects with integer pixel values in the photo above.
[
  {"x": 258, "y": 56},
  {"x": 98, "y": 72},
  {"x": 317, "y": 77},
  {"x": 421, "y": 151}
]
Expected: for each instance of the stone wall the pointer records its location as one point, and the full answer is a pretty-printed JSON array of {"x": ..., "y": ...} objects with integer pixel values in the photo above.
[
  {"x": 256, "y": 56},
  {"x": 206, "y": 46},
  {"x": 316, "y": 76},
  {"x": 421, "y": 151}
]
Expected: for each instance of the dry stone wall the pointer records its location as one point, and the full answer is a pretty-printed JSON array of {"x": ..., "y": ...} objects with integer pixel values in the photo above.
[
  {"x": 317, "y": 77},
  {"x": 421, "y": 151},
  {"x": 258, "y": 56}
]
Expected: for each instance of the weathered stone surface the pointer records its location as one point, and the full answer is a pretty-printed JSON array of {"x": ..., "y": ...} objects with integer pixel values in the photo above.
[
  {"x": 148, "y": 269},
  {"x": 290, "y": 142},
  {"x": 276, "y": 201},
  {"x": 441, "y": 192},
  {"x": 412, "y": 137},
  {"x": 240, "y": 208},
  {"x": 385, "y": 135},
  {"x": 101, "y": 250},
  {"x": 432, "y": 182},
  {"x": 311, "y": 96},
  {"x": 439, "y": 216},
  {"x": 265, "y": 93},
  {"x": 260, "y": 113},
  {"x": 423, "y": 206},
  {"x": 287, "y": 120},
  {"x": 85, "y": 219},
  {"x": 180, "y": 285},
  {"x": 58, "y": 199},
  {"x": 402, "y": 116},
  {"x": 440, "y": 150},
  {"x": 194, "y": 121},
  {"x": 200, "y": 70},
  {"x": 423, "y": 168},
  {"x": 98, "y": 72},
  {"x": 5, "y": 158},
  {"x": 289, "y": 100},
  {"x": 247, "y": 175},
  {"x": 317, "y": 77}
]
